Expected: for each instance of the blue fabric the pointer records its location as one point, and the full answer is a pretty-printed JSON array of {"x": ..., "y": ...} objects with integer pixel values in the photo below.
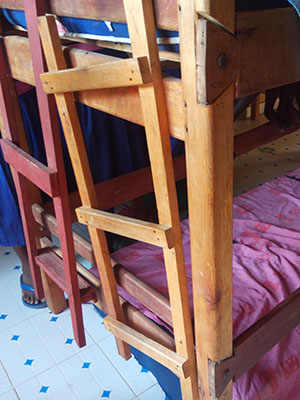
[
  {"x": 114, "y": 147},
  {"x": 169, "y": 382}
]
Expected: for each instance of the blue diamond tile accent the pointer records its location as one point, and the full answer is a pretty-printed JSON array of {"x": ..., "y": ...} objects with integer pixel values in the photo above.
[
  {"x": 53, "y": 319},
  {"x": 3, "y": 316},
  {"x": 28, "y": 362},
  {"x": 106, "y": 393},
  {"x": 69, "y": 341},
  {"x": 7, "y": 253},
  {"x": 15, "y": 337},
  {"x": 86, "y": 365},
  {"x": 144, "y": 370},
  {"x": 17, "y": 267},
  {"x": 44, "y": 389}
]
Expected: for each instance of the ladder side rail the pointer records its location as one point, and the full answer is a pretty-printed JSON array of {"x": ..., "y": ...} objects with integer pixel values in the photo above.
[{"x": 142, "y": 30}]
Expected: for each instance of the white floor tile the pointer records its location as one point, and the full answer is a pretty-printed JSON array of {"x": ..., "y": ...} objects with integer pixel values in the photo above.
[
  {"x": 91, "y": 370},
  {"x": 138, "y": 378},
  {"x": 42, "y": 360},
  {"x": 10, "y": 395},
  {"x": 5, "y": 384},
  {"x": 155, "y": 392},
  {"x": 93, "y": 323}
]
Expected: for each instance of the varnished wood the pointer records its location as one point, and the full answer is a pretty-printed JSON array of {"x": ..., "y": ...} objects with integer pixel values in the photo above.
[
  {"x": 266, "y": 38},
  {"x": 141, "y": 28},
  {"x": 131, "y": 72},
  {"x": 218, "y": 11},
  {"x": 217, "y": 60},
  {"x": 36, "y": 172},
  {"x": 209, "y": 150},
  {"x": 54, "y": 296},
  {"x": 122, "y": 102},
  {"x": 165, "y": 10},
  {"x": 72, "y": 130},
  {"x": 178, "y": 364},
  {"x": 147, "y": 232}
]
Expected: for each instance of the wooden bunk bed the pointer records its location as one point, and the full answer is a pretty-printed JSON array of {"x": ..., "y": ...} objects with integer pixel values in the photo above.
[{"x": 219, "y": 62}]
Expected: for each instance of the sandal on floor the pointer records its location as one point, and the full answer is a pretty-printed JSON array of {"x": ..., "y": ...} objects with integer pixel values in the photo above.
[{"x": 24, "y": 286}]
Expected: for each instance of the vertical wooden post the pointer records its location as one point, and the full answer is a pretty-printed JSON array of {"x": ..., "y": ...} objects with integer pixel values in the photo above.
[{"x": 209, "y": 151}]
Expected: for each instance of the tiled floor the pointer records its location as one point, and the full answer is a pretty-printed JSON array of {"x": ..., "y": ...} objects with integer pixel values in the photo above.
[{"x": 40, "y": 360}]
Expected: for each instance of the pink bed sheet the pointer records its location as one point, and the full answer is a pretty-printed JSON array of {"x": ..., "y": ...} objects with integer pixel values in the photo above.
[{"x": 266, "y": 269}]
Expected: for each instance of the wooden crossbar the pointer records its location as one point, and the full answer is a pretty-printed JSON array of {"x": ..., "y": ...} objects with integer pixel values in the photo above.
[
  {"x": 178, "y": 364},
  {"x": 43, "y": 177},
  {"x": 131, "y": 72},
  {"x": 143, "y": 231}
]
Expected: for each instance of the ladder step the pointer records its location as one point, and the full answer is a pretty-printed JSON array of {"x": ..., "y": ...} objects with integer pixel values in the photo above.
[
  {"x": 159, "y": 235},
  {"x": 131, "y": 72},
  {"x": 176, "y": 363},
  {"x": 53, "y": 266},
  {"x": 42, "y": 176}
]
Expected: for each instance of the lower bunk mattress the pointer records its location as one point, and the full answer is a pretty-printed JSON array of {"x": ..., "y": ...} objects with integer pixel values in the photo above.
[
  {"x": 117, "y": 32},
  {"x": 266, "y": 269}
]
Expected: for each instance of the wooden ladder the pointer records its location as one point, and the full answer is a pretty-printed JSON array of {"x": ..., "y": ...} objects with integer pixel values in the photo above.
[
  {"x": 50, "y": 179},
  {"x": 144, "y": 71}
]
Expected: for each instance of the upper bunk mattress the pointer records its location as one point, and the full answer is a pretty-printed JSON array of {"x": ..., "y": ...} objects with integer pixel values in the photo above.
[{"x": 118, "y": 32}]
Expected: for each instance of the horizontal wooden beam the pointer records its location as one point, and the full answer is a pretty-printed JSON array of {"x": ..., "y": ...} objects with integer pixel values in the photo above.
[
  {"x": 129, "y": 72},
  {"x": 268, "y": 40},
  {"x": 256, "y": 341},
  {"x": 259, "y": 136},
  {"x": 36, "y": 172},
  {"x": 165, "y": 10},
  {"x": 148, "y": 296},
  {"x": 121, "y": 102},
  {"x": 176, "y": 363},
  {"x": 148, "y": 232}
]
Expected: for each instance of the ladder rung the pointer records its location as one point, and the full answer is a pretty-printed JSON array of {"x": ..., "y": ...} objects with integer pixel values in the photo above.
[
  {"x": 176, "y": 363},
  {"x": 40, "y": 175},
  {"x": 131, "y": 72},
  {"x": 159, "y": 235},
  {"x": 53, "y": 266}
]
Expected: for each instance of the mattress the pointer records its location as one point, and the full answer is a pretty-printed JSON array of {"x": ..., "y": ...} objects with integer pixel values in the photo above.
[
  {"x": 266, "y": 269},
  {"x": 117, "y": 32}
]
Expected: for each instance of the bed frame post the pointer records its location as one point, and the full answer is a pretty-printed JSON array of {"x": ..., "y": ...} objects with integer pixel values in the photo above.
[{"x": 209, "y": 151}]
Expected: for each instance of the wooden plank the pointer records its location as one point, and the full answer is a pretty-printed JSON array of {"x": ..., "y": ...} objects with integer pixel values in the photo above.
[
  {"x": 267, "y": 37},
  {"x": 209, "y": 150},
  {"x": 259, "y": 136},
  {"x": 165, "y": 10},
  {"x": 43, "y": 177},
  {"x": 218, "y": 11},
  {"x": 176, "y": 363},
  {"x": 131, "y": 72},
  {"x": 54, "y": 295},
  {"x": 257, "y": 340},
  {"x": 75, "y": 142},
  {"x": 122, "y": 102},
  {"x": 141, "y": 27},
  {"x": 149, "y": 297},
  {"x": 55, "y": 160},
  {"x": 217, "y": 60},
  {"x": 159, "y": 235}
]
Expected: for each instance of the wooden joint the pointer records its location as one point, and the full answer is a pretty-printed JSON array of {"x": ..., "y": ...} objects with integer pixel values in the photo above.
[
  {"x": 159, "y": 235},
  {"x": 217, "y": 59},
  {"x": 175, "y": 362},
  {"x": 131, "y": 72},
  {"x": 255, "y": 342}
]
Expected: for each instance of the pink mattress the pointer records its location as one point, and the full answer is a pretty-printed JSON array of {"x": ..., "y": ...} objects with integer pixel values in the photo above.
[{"x": 266, "y": 269}]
